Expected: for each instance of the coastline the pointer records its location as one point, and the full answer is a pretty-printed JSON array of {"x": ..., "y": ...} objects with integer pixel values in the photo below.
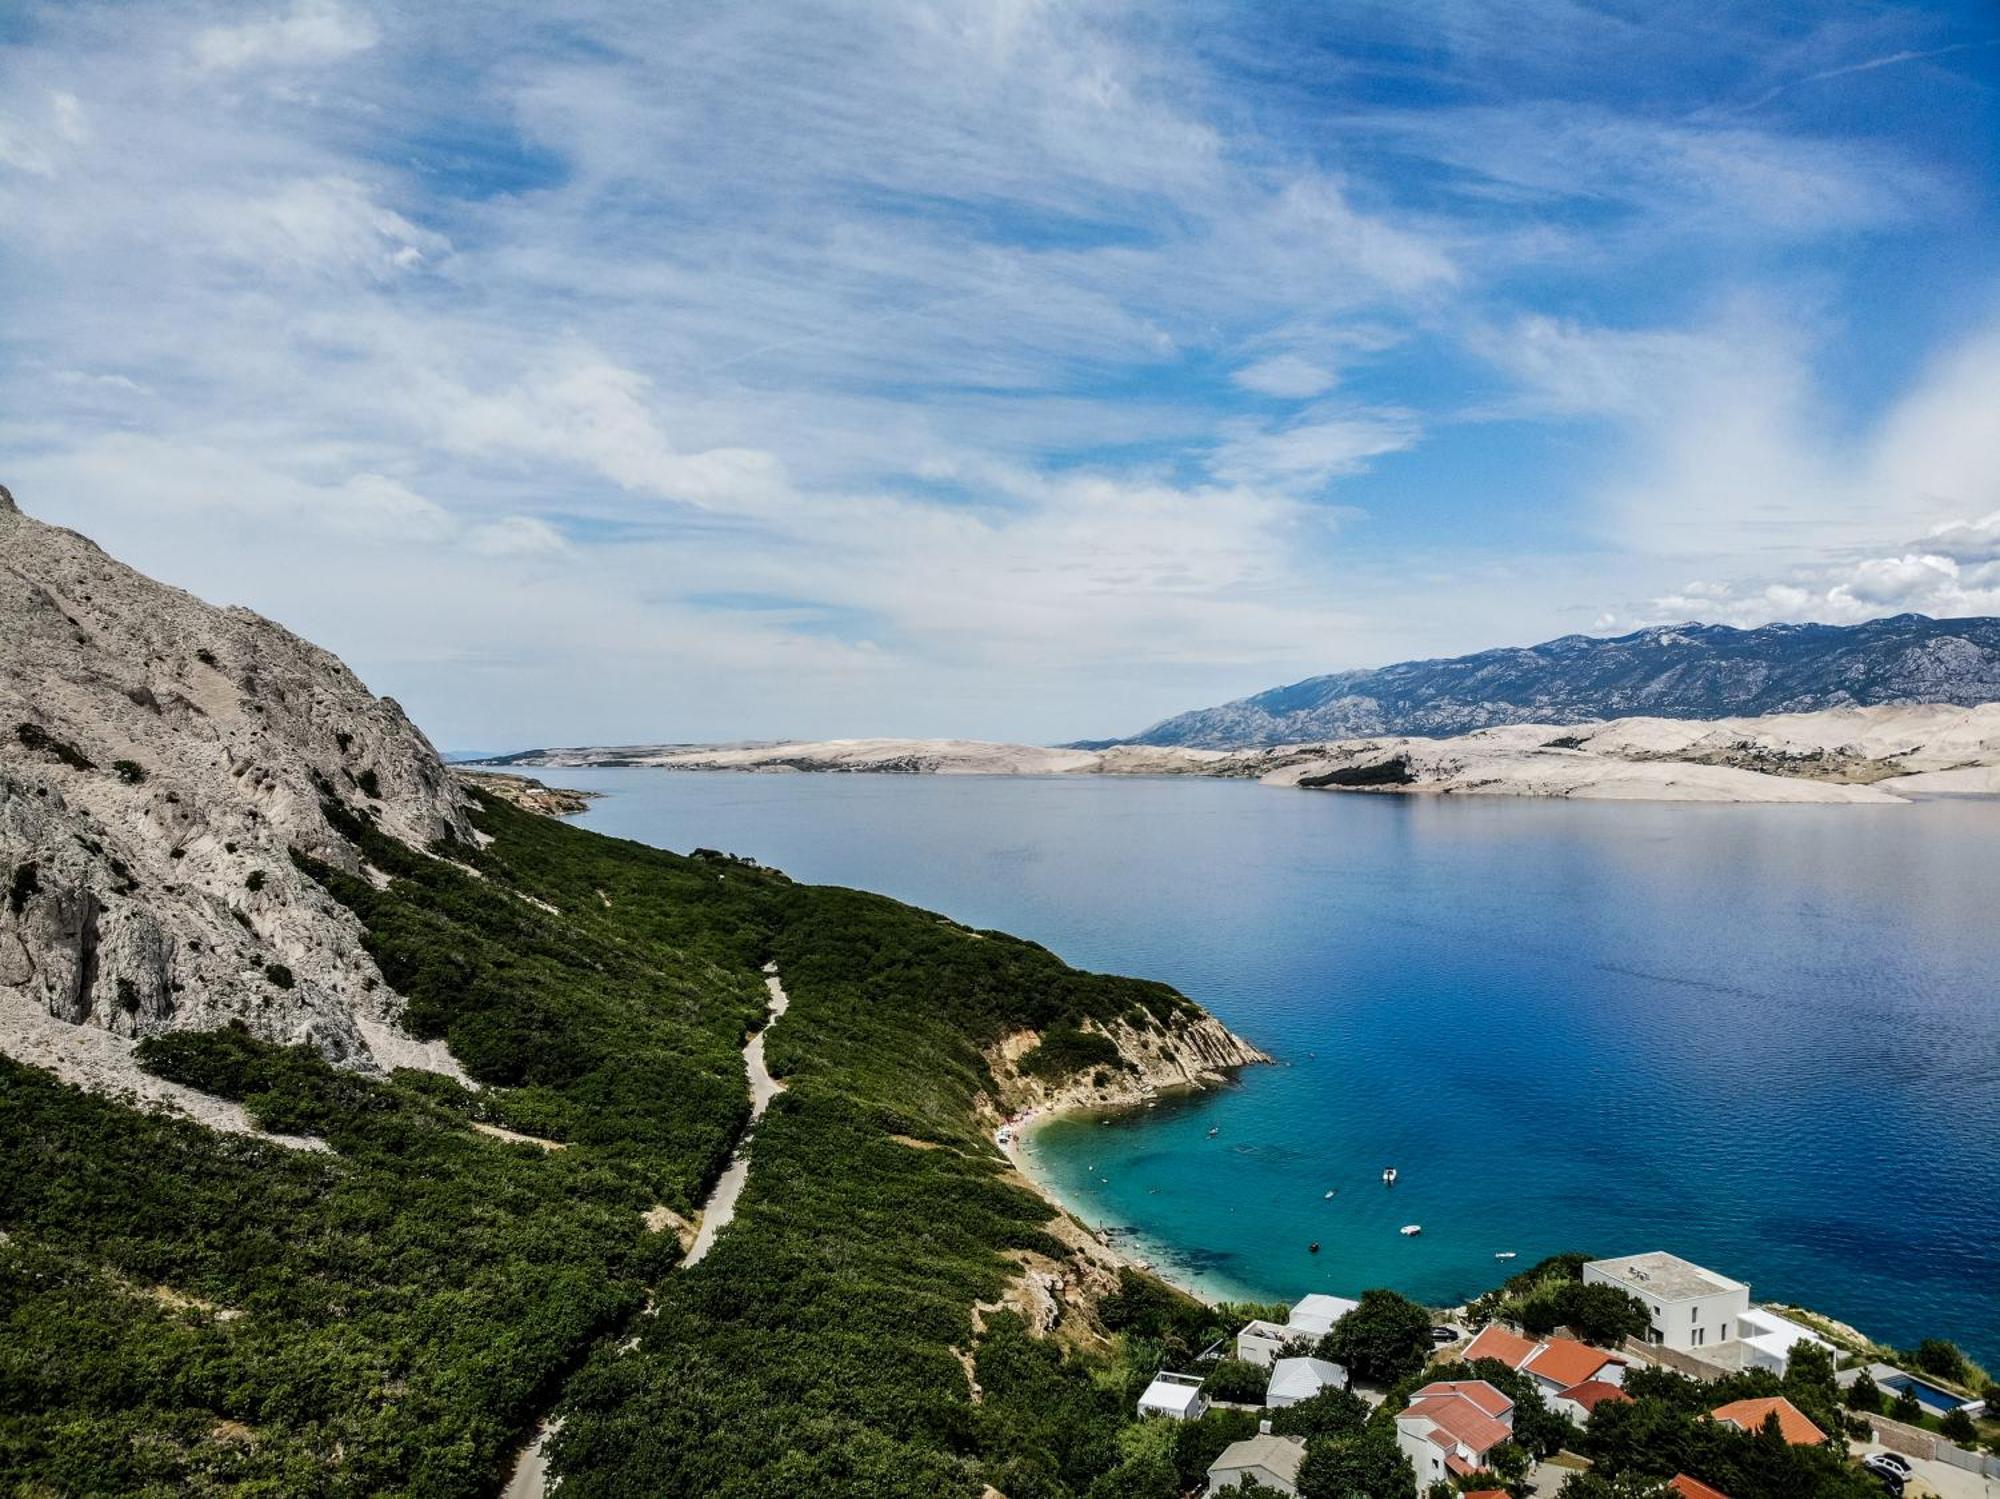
[{"x": 1132, "y": 1253}]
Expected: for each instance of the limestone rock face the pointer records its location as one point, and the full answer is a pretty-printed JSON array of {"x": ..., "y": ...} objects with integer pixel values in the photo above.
[{"x": 159, "y": 759}]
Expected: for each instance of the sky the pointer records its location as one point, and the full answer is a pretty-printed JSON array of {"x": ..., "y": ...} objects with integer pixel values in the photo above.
[{"x": 594, "y": 373}]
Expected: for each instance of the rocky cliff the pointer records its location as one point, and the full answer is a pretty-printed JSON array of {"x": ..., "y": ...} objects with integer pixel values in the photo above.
[
  {"x": 1184, "y": 1053},
  {"x": 1672, "y": 671},
  {"x": 159, "y": 759}
]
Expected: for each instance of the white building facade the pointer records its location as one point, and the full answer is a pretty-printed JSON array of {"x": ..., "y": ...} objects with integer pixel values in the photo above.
[{"x": 1692, "y": 1308}]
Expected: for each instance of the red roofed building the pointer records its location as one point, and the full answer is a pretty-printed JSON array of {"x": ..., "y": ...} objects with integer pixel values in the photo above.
[
  {"x": 1751, "y": 1415},
  {"x": 1450, "y": 1426},
  {"x": 1580, "y": 1402},
  {"x": 1555, "y": 1364},
  {"x": 1495, "y": 1341},
  {"x": 1693, "y": 1488}
]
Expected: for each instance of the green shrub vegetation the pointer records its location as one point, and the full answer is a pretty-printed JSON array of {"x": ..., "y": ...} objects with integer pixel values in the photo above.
[
  {"x": 1665, "y": 1429},
  {"x": 194, "y": 1313},
  {"x": 1552, "y": 1294},
  {"x": 131, "y": 772},
  {"x": 1065, "y": 1051},
  {"x": 1385, "y": 1339}
]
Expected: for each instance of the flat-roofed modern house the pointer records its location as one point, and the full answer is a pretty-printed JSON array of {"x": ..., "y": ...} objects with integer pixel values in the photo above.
[
  {"x": 1178, "y": 1396},
  {"x": 1296, "y": 1379},
  {"x": 1311, "y": 1319},
  {"x": 1271, "y": 1461},
  {"x": 1692, "y": 1308},
  {"x": 1700, "y": 1312}
]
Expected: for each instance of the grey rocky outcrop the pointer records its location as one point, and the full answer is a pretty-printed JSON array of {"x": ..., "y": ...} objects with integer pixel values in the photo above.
[{"x": 160, "y": 757}]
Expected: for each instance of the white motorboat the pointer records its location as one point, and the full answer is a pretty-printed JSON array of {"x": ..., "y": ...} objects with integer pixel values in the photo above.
[
  {"x": 1389, "y": 1177},
  {"x": 1410, "y": 1230},
  {"x": 1505, "y": 1254}
]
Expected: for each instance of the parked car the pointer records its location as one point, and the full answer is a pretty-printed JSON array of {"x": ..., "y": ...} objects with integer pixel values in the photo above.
[
  {"x": 1893, "y": 1462},
  {"x": 1891, "y": 1475},
  {"x": 1444, "y": 1335}
]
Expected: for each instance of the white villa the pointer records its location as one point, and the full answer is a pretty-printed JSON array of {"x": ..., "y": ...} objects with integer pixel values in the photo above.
[
  {"x": 1271, "y": 1461},
  {"x": 1312, "y": 1317},
  {"x": 1697, "y": 1311},
  {"x": 1296, "y": 1379},
  {"x": 1178, "y": 1396}
]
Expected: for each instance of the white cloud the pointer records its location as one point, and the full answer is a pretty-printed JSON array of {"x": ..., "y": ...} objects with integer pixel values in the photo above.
[
  {"x": 1972, "y": 541},
  {"x": 311, "y": 32},
  {"x": 41, "y": 143},
  {"x": 1287, "y": 376},
  {"x": 323, "y": 225},
  {"x": 517, "y": 536},
  {"x": 1309, "y": 453}
]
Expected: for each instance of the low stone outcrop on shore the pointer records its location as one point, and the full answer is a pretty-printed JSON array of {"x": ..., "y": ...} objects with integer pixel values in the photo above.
[{"x": 529, "y": 794}]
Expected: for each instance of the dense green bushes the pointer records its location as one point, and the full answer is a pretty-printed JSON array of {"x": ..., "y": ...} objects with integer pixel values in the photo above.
[
  {"x": 1384, "y": 1339},
  {"x": 415, "y": 1297},
  {"x": 1065, "y": 1051}
]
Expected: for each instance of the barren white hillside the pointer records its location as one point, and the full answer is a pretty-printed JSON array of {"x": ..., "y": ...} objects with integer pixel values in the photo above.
[
  {"x": 159, "y": 759},
  {"x": 1848, "y": 755},
  {"x": 1852, "y": 755}
]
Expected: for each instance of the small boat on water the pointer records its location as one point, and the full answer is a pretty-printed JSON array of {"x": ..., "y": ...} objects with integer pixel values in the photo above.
[
  {"x": 1410, "y": 1230},
  {"x": 1329, "y": 1194},
  {"x": 1505, "y": 1254},
  {"x": 1313, "y": 1248},
  {"x": 1214, "y": 1131},
  {"x": 1389, "y": 1176}
]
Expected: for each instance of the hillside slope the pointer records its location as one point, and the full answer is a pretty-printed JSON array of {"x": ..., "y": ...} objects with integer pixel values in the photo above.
[
  {"x": 159, "y": 758},
  {"x": 394, "y": 1311},
  {"x": 1669, "y": 671}
]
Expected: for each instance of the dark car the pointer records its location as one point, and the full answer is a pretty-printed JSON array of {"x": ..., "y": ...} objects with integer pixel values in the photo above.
[
  {"x": 1443, "y": 1335},
  {"x": 1886, "y": 1469}
]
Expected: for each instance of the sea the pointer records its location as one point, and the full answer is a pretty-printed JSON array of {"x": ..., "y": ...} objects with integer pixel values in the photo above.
[{"x": 1766, "y": 1038}]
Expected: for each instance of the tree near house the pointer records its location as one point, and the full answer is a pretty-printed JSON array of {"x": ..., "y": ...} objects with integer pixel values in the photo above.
[
  {"x": 1942, "y": 1357},
  {"x": 1367, "y": 1466},
  {"x": 1329, "y": 1414},
  {"x": 1811, "y": 1386},
  {"x": 1385, "y": 1338},
  {"x": 1624, "y": 1486},
  {"x": 1865, "y": 1395},
  {"x": 1906, "y": 1408},
  {"x": 1957, "y": 1426}
]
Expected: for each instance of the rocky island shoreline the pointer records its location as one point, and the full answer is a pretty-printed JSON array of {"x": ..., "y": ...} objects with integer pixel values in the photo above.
[{"x": 1842, "y": 756}]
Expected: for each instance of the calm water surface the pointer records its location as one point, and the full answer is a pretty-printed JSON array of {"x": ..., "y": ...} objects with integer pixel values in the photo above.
[{"x": 1767, "y": 1038}]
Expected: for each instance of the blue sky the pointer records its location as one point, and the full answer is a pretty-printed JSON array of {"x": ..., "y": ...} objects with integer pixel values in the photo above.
[{"x": 598, "y": 372}]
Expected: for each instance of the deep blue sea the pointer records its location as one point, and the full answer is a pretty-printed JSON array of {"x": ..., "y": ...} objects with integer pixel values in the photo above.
[{"x": 1765, "y": 1038}]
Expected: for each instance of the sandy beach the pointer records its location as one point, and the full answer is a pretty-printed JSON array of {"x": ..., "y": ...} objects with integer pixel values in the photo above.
[{"x": 1153, "y": 1260}]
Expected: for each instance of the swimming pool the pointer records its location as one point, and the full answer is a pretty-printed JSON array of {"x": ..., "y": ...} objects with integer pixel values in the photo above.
[{"x": 1932, "y": 1397}]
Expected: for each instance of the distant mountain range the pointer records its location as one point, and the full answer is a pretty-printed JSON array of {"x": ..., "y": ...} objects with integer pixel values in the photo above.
[{"x": 1667, "y": 671}]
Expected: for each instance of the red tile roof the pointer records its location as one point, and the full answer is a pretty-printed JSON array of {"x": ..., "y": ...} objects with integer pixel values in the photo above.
[
  {"x": 1568, "y": 1362},
  {"x": 1484, "y": 1494},
  {"x": 1750, "y": 1414},
  {"x": 1457, "y": 1420},
  {"x": 1593, "y": 1393},
  {"x": 1458, "y": 1464},
  {"x": 1478, "y": 1391},
  {"x": 1494, "y": 1341},
  {"x": 1693, "y": 1488}
]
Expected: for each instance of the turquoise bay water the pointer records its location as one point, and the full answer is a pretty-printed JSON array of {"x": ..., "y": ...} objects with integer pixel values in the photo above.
[{"x": 1767, "y": 1038}]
